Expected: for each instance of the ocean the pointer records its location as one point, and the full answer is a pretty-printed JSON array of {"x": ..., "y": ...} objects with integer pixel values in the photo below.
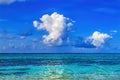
[{"x": 69, "y": 66}]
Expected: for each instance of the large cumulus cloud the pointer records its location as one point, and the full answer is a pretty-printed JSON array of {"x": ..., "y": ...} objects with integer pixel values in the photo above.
[{"x": 54, "y": 24}]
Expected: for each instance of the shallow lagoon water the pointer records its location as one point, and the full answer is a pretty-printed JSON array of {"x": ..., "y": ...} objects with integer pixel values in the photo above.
[{"x": 60, "y": 66}]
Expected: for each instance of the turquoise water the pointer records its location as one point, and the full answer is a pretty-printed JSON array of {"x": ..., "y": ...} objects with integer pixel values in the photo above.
[{"x": 60, "y": 66}]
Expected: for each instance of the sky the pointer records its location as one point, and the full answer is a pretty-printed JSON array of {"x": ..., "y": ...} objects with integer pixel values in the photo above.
[{"x": 59, "y": 26}]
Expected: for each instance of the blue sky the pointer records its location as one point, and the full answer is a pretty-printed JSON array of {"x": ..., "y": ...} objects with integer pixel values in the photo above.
[{"x": 95, "y": 26}]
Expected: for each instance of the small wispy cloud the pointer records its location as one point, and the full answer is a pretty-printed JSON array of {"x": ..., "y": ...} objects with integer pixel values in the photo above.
[
  {"x": 10, "y": 1},
  {"x": 35, "y": 40},
  {"x": 7, "y": 37},
  {"x": 106, "y": 10},
  {"x": 25, "y": 34},
  {"x": 114, "y": 31},
  {"x": 22, "y": 37},
  {"x": 5, "y": 34}
]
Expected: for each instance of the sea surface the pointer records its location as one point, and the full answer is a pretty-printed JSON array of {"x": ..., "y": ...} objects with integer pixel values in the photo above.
[{"x": 85, "y": 66}]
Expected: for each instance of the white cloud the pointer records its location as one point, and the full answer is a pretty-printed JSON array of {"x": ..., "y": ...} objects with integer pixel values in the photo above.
[
  {"x": 114, "y": 31},
  {"x": 98, "y": 39},
  {"x": 10, "y": 1},
  {"x": 22, "y": 37},
  {"x": 106, "y": 10},
  {"x": 54, "y": 24}
]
